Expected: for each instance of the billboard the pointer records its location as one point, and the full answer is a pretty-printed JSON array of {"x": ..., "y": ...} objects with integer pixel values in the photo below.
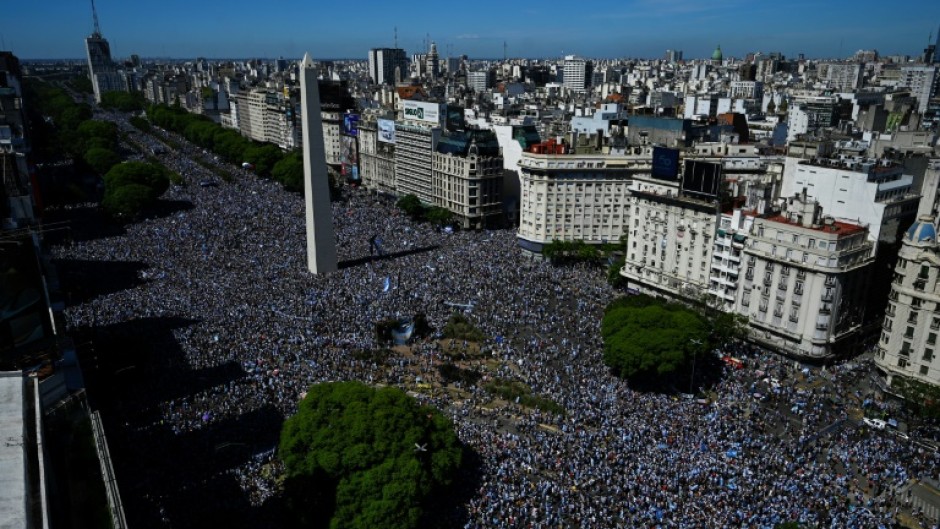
[
  {"x": 701, "y": 179},
  {"x": 455, "y": 117},
  {"x": 665, "y": 163},
  {"x": 421, "y": 111},
  {"x": 349, "y": 157},
  {"x": 350, "y": 124},
  {"x": 386, "y": 131}
]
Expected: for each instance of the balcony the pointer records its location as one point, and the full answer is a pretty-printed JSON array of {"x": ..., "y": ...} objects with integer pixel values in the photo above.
[{"x": 827, "y": 297}]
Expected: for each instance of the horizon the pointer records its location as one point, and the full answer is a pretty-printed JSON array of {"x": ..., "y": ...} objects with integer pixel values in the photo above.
[{"x": 641, "y": 29}]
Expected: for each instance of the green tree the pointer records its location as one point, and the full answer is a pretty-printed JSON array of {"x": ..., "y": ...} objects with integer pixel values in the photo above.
[
  {"x": 923, "y": 398},
  {"x": 648, "y": 340},
  {"x": 81, "y": 84},
  {"x": 359, "y": 457},
  {"x": 123, "y": 101},
  {"x": 289, "y": 171},
  {"x": 128, "y": 201},
  {"x": 263, "y": 156},
  {"x": 613, "y": 273},
  {"x": 101, "y": 160},
  {"x": 153, "y": 177},
  {"x": 439, "y": 216},
  {"x": 95, "y": 128},
  {"x": 411, "y": 205}
]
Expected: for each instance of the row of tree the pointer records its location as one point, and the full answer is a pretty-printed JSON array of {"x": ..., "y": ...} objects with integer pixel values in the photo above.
[
  {"x": 130, "y": 188},
  {"x": 269, "y": 160},
  {"x": 412, "y": 206}
]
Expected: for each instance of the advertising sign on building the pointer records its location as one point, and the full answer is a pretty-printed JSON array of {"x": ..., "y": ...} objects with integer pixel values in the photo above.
[
  {"x": 422, "y": 111},
  {"x": 665, "y": 163},
  {"x": 386, "y": 131},
  {"x": 701, "y": 179},
  {"x": 350, "y": 124},
  {"x": 349, "y": 158}
]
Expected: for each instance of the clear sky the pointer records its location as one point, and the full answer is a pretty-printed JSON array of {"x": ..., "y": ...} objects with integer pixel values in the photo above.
[{"x": 541, "y": 28}]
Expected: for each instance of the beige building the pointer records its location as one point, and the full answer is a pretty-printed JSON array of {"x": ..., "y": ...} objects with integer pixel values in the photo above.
[
  {"x": 377, "y": 153},
  {"x": 908, "y": 344},
  {"x": 568, "y": 197},
  {"x": 804, "y": 287},
  {"x": 467, "y": 176},
  {"x": 670, "y": 240}
]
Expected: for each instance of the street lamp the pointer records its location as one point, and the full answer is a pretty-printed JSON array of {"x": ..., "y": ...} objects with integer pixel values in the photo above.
[{"x": 697, "y": 343}]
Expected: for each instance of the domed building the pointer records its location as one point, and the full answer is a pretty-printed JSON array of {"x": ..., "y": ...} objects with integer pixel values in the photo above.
[
  {"x": 908, "y": 344},
  {"x": 717, "y": 56}
]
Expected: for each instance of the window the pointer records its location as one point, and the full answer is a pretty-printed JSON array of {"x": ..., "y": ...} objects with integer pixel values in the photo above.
[
  {"x": 928, "y": 355},
  {"x": 924, "y": 370},
  {"x": 932, "y": 338}
]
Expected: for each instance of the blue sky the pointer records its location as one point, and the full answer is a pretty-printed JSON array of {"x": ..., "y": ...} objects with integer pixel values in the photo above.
[{"x": 597, "y": 28}]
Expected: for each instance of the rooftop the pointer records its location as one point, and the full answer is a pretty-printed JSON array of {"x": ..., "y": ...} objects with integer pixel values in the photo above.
[
  {"x": 12, "y": 451},
  {"x": 839, "y": 228}
]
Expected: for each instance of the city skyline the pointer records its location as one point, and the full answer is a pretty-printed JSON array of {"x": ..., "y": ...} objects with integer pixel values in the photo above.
[{"x": 638, "y": 28}]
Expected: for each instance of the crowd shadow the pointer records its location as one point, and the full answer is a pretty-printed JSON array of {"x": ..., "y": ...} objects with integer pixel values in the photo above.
[
  {"x": 84, "y": 280},
  {"x": 187, "y": 479},
  {"x": 350, "y": 263},
  {"x": 175, "y": 473}
]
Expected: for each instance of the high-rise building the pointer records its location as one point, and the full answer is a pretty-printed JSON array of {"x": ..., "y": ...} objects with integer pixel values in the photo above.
[
  {"x": 433, "y": 62},
  {"x": 924, "y": 82},
  {"x": 478, "y": 81},
  {"x": 101, "y": 69},
  {"x": 845, "y": 77},
  {"x": 388, "y": 65},
  {"x": 416, "y": 137},
  {"x": 577, "y": 73}
]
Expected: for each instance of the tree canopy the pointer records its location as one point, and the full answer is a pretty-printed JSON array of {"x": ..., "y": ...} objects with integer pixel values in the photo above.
[
  {"x": 123, "y": 101},
  {"x": 132, "y": 186},
  {"x": 651, "y": 340},
  {"x": 411, "y": 205},
  {"x": 101, "y": 159},
  {"x": 359, "y": 457}
]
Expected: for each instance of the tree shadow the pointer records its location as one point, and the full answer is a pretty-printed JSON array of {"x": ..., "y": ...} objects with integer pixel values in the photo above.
[
  {"x": 79, "y": 224},
  {"x": 164, "y": 208},
  {"x": 447, "y": 508},
  {"x": 85, "y": 280},
  {"x": 349, "y": 263}
]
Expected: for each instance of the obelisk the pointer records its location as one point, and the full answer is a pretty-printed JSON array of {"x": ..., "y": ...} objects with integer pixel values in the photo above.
[{"x": 321, "y": 243}]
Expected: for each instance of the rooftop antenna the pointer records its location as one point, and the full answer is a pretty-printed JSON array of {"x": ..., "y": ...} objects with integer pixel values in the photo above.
[
  {"x": 396, "y": 36},
  {"x": 94, "y": 14},
  {"x": 504, "y": 51}
]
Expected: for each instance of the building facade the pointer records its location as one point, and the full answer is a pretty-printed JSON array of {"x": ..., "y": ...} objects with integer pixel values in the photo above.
[
  {"x": 908, "y": 344},
  {"x": 805, "y": 281},
  {"x": 467, "y": 177},
  {"x": 569, "y": 197},
  {"x": 388, "y": 65}
]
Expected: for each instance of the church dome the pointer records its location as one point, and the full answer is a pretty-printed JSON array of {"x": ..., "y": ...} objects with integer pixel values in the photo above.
[
  {"x": 717, "y": 55},
  {"x": 922, "y": 232}
]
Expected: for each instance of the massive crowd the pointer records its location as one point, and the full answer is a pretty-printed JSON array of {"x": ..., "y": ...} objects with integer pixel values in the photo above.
[{"x": 760, "y": 453}]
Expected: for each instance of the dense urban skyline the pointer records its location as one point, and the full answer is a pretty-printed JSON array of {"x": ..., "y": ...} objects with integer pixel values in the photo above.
[{"x": 638, "y": 28}]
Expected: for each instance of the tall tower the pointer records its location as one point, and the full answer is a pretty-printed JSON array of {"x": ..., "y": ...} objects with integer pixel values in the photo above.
[
  {"x": 321, "y": 243},
  {"x": 101, "y": 69}
]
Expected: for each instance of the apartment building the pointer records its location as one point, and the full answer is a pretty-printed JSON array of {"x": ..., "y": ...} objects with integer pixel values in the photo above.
[
  {"x": 416, "y": 137},
  {"x": 377, "y": 152},
  {"x": 805, "y": 283},
  {"x": 467, "y": 176},
  {"x": 569, "y": 197},
  {"x": 908, "y": 344}
]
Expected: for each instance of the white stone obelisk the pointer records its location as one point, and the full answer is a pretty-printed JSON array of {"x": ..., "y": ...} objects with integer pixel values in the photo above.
[{"x": 321, "y": 243}]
